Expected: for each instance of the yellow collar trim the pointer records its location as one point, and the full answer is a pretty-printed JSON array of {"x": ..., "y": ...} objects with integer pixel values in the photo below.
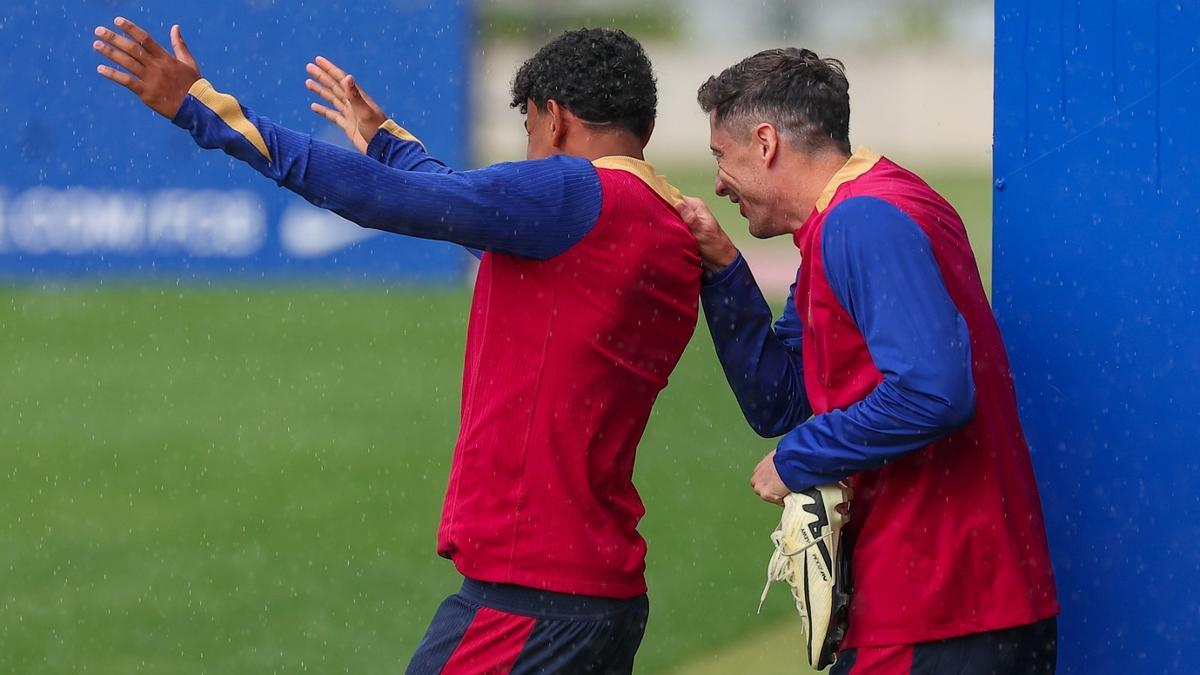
[
  {"x": 859, "y": 163},
  {"x": 645, "y": 172}
]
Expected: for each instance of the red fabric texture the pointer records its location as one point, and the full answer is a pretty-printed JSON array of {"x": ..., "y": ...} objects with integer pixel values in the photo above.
[
  {"x": 949, "y": 538},
  {"x": 564, "y": 359}
]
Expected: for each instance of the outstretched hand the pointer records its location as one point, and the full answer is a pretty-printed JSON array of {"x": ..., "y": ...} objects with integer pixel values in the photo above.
[
  {"x": 716, "y": 248},
  {"x": 161, "y": 80},
  {"x": 355, "y": 113}
]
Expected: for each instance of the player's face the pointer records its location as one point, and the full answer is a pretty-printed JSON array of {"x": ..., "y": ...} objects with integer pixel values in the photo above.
[
  {"x": 539, "y": 130},
  {"x": 741, "y": 177}
]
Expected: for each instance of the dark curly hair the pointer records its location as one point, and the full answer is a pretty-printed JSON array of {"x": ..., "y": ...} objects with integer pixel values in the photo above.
[
  {"x": 601, "y": 75},
  {"x": 804, "y": 96}
]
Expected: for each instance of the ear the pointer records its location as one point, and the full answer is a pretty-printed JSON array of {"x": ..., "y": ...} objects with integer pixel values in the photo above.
[
  {"x": 556, "y": 118},
  {"x": 765, "y": 139},
  {"x": 649, "y": 133}
]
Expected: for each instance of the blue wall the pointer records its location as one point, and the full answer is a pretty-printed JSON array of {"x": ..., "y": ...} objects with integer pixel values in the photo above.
[
  {"x": 94, "y": 184},
  {"x": 1097, "y": 287}
]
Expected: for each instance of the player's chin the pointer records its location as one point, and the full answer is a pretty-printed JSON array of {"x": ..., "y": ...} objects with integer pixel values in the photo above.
[{"x": 759, "y": 229}]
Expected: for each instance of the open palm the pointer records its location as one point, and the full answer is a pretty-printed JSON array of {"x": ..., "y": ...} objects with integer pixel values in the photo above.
[
  {"x": 160, "y": 79},
  {"x": 353, "y": 111}
]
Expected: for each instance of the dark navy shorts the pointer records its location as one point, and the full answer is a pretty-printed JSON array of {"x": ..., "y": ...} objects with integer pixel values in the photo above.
[
  {"x": 1025, "y": 650},
  {"x": 499, "y": 629}
]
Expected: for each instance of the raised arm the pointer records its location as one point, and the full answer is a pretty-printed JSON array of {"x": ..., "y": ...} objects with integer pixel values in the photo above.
[
  {"x": 349, "y": 107},
  {"x": 366, "y": 125},
  {"x": 363, "y": 121},
  {"x": 534, "y": 209}
]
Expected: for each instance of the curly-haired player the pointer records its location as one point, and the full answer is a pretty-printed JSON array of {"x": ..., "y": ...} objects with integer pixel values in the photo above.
[
  {"x": 586, "y": 296},
  {"x": 618, "y": 90}
]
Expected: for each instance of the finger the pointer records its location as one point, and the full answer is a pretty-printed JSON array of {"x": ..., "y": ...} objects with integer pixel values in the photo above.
[
  {"x": 119, "y": 57},
  {"x": 767, "y": 496},
  {"x": 139, "y": 36},
  {"x": 354, "y": 95},
  {"x": 124, "y": 79},
  {"x": 685, "y": 212},
  {"x": 350, "y": 92},
  {"x": 331, "y": 68},
  {"x": 331, "y": 115},
  {"x": 360, "y": 97},
  {"x": 180, "y": 47},
  {"x": 690, "y": 209},
  {"x": 349, "y": 87},
  {"x": 121, "y": 42},
  {"x": 699, "y": 208},
  {"x": 321, "y": 76},
  {"x": 367, "y": 99},
  {"x": 325, "y": 93}
]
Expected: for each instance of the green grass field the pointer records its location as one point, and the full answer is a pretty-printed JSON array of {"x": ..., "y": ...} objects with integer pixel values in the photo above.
[{"x": 248, "y": 480}]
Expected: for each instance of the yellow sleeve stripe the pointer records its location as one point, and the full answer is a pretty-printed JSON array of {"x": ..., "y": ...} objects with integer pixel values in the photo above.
[
  {"x": 400, "y": 132},
  {"x": 227, "y": 108}
]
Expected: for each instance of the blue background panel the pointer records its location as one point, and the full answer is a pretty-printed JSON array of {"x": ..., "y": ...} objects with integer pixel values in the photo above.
[
  {"x": 92, "y": 183},
  {"x": 1097, "y": 288}
]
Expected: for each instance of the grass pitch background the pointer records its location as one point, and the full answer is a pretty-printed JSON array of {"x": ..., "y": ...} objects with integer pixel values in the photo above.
[{"x": 238, "y": 480}]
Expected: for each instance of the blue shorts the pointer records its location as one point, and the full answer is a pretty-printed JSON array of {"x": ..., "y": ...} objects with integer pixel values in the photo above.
[
  {"x": 1025, "y": 650},
  {"x": 500, "y": 629}
]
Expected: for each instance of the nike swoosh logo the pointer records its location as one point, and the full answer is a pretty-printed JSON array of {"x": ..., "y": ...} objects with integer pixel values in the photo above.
[{"x": 309, "y": 232}]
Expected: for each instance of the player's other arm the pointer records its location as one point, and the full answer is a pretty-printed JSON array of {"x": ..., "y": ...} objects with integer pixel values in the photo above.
[
  {"x": 533, "y": 209},
  {"x": 364, "y": 122},
  {"x": 881, "y": 267},
  {"x": 761, "y": 360}
]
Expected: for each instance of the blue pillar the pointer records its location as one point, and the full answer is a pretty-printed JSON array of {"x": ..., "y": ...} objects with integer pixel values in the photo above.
[{"x": 1097, "y": 288}]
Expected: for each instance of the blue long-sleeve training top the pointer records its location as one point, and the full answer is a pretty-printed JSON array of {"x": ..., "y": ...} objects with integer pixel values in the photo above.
[
  {"x": 534, "y": 209},
  {"x": 881, "y": 268},
  {"x": 396, "y": 147}
]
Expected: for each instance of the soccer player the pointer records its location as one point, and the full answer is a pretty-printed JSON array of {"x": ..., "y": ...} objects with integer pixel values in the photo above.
[
  {"x": 887, "y": 368},
  {"x": 587, "y": 294}
]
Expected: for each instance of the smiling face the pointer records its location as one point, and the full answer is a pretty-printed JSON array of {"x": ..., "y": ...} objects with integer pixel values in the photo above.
[{"x": 744, "y": 176}]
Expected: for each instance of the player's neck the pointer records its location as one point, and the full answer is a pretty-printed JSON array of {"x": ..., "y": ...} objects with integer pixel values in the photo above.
[
  {"x": 593, "y": 146},
  {"x": 810, "y": 176}
]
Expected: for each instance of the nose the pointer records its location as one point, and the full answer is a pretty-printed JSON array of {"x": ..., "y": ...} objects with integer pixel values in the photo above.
[{"x": 719, "y": 187}]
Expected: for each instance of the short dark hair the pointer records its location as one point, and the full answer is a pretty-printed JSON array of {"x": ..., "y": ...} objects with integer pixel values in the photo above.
[
  {"x": 803, "y": 95},
  {"x": 601, "y": 75}
]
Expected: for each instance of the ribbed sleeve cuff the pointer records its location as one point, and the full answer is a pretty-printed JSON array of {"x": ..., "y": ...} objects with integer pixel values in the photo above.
[{"x": 724, "y": 274}]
